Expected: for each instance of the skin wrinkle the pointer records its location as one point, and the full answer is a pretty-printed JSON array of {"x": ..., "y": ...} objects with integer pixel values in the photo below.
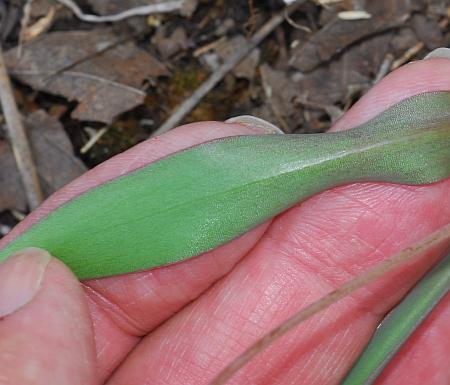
[
  {"x": 360, "y": 203},
  {"x": 107, "y": 337},
  {"x": 241, "y": 318},
  {"x": 327, "y": 288},
  {"x": 338, "y": 236},
  {"x": 330, "y": 284},
  {"x": 342, "y": 350},
  {"x": 309, "y": 254},
  {"x": 247, "y": 326},
  {"x": 311, "y": 355},
  {"x": 121, "y": 318},
  {"x": 204, "y": 351},
  {"x": 149, "y": 293},
  {"x": 365, "y": 196},
  {"x": 326, "y": 359},
  {"x": 324, "y": 374},
  {"x": 222, "y": 265},
  {"x": 327, "y": 281},
  {"x": 206, "y": 361},
  {"x": 149, "y": 279},
  {"x": 331, "y": 251},
  {"x": 269, "y": 299},
  {"x": 319, "y": 223}
]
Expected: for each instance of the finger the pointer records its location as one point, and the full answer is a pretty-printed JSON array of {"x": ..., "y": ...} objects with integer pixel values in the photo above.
[
  {"x": 46, "y": 334},
  {"x": 127, "y": 307},
  {"x": 308, "y": 251}
]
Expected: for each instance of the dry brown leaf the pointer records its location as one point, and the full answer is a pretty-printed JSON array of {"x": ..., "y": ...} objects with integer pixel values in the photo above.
[
  {"x": 353, "y": 69},
  {"x": 339, "y": 34},
  {"x": 247, "y": 67},
  {"x": 78, "y": 65},
  {"x": 11, "y": 192},
  {"x": 52, "y": 151},
  {"x": 428, "y": 31},
  {"x": 170, "y": 44},
  {"x": 280, "y": 93},
  {"x": 9, "y": 17}
]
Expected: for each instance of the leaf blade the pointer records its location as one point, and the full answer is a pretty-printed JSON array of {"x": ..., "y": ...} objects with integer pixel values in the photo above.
[{"x": 204, "y": 196}]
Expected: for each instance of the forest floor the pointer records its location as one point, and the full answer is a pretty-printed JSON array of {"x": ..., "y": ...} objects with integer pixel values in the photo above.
[{"x": 89, "y": 90}]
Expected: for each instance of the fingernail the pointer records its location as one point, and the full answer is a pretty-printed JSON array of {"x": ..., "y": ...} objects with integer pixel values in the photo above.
[
  {"x": 254, "y": 122},
  {"x": 439, "y": 52},
  {"x": 21, "y": 275}
]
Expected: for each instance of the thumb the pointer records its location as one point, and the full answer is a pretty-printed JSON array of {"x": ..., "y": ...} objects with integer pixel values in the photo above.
[{"x": 45, "y": 331}]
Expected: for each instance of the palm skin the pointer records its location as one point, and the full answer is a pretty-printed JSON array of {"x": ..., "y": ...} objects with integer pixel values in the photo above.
[{"x": 181, "y": 324}]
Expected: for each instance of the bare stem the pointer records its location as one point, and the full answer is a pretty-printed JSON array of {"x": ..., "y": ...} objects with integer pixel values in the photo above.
[{"x": 163, "y": 7}]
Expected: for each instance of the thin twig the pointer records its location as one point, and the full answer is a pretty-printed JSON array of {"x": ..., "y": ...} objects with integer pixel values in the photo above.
[
  {"x": 18, "y": 138},
  {"x": 407, "y": 55},
  {"x": 31, "y": 32},
  {"x": 164, "y": 7},
  {"x": 189, "y": 104},
  {"x": 406, "y": 255},
  {"x": 93, "y": 140},
  {"x": 297, "y": 25},
  {"x": 250, "y": 25},
  {"x": 18, "y": 215},
  {"x": 208, "y": 47},
  {"x": 384, "y": 68},
  {"x": 415, "y": 49},
  {"x": 23, "y": 25}
]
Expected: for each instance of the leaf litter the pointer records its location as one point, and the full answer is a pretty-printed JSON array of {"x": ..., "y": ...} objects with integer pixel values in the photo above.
[{"x": 109, "y": 86}]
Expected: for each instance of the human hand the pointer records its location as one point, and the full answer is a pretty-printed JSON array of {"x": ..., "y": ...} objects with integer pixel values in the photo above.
[{"x": 181, "y": 324}]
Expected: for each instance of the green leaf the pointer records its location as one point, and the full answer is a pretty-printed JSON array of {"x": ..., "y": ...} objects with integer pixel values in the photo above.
[{"x": 202, "y": 197}]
